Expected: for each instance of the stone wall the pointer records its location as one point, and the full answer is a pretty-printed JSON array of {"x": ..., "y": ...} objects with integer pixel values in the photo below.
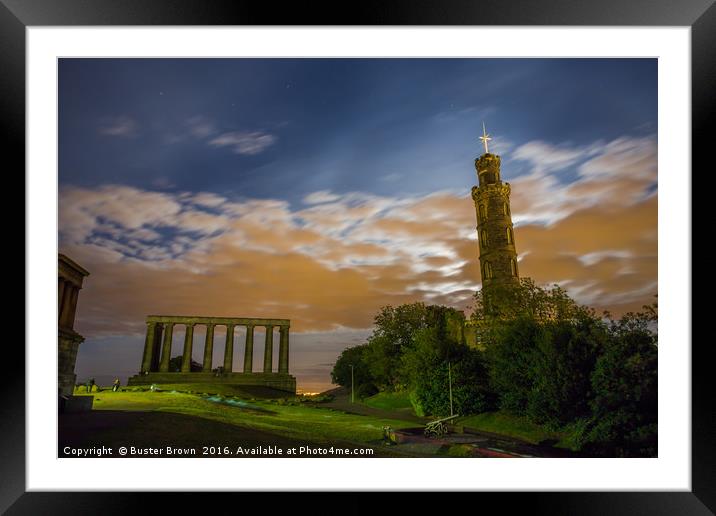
[{"x": 278, "y": 381}]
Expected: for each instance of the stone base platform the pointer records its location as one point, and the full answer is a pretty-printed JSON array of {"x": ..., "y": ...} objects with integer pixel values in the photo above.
[{"x": 278, "y": 381}]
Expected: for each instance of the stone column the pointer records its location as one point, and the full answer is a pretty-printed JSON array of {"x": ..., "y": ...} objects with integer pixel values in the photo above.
[
  {"x": 188, "y": 344},
  {"x": 166, "y": 348},
  {"x": 73, "y": 306},
  {"x": 148, "y": 348},
  {"x": 66, "y": 301},
  {"x": 60, "y": 293},
  {"x": 268, "y": 350},
  {"x": 157, "y": 347},
  {"x": 249, "y": 350},
  {"x": 283, "y": 351},
  {"x": 208, "y": 348},
  {"x": 229, "y": 349}
]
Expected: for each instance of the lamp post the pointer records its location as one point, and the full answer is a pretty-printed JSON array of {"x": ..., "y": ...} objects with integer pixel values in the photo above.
[
  {"x": 352, "y": 390},
  {"x": 450, "y": 386}
]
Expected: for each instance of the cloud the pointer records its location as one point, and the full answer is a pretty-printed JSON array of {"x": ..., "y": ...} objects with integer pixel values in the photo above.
[
  {"x": 81, "y": 209},
  {"x": 244, "y": 142},
  {"x": 623, "y": 171},
  {"x": 208, "y": 199},
  {"x": 320, "y": 197},
  {"x": 546, "y": 157},
  {"x": 200, "y": 127},
  {"x": 123, "y": 126},
  {"x": 332, "y": 263},
  {"x": 623, "y": 159},
  {"x": 391, "y": 178}
]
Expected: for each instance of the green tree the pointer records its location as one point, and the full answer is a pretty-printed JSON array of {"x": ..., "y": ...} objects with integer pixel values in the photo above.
[
  {"x": 541, "y": 346},
  {"x": 563, "y": 360},
  {"x": 624, "y": 408},
  {"x": 341, "y": 373},
  {"x": 394, "y": 333},
  {"x": 510, "y": 353},
  {"x": 437, "y": 354}
]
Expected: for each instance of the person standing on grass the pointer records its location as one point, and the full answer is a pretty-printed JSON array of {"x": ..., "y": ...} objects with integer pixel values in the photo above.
[{"x": 115, "y": 385}]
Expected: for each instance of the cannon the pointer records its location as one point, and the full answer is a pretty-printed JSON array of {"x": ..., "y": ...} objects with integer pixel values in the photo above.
[
  {"x": 438, "y": 428},
  {"x": 389, "y": 436}
]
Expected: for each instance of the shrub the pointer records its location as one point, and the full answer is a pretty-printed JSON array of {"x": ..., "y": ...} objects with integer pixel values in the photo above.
[{"x": 366, "y": 390}]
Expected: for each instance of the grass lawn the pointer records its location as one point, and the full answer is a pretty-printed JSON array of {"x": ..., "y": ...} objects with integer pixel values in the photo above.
[
  {"x": 390, "y": 401},
  {"x": 242, "y": 391},
  {"x": 283, "y": 417},
  {"x": 510, "y": 425}
]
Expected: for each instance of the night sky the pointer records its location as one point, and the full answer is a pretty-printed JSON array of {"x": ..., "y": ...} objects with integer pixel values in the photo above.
[{"x": 320, "y": 190}]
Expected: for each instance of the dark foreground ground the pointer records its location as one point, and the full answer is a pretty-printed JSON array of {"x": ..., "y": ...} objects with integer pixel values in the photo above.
[
  {"x": 180, "y": 424},
  {"x": 103, "y": 429}
]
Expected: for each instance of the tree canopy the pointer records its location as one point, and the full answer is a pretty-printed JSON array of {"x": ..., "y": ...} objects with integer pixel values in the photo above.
[{"x": 540, "y": 355}]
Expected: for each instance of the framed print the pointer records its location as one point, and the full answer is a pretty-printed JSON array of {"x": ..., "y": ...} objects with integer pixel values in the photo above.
[{"x": 381, "y": 257}]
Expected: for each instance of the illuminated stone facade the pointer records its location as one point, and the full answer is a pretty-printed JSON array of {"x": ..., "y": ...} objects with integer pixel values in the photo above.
[
  {"x": 70, "y": 276},
  {"x": 158, "y": 347}
]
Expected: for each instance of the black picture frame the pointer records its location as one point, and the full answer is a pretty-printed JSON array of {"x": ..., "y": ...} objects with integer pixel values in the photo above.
[{"x": 17, "y": 15}]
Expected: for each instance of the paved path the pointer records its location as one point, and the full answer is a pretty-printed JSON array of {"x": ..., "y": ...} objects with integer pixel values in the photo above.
[
  {"x": 342, "y": 402},
  {"x": 485, "y": 440}
]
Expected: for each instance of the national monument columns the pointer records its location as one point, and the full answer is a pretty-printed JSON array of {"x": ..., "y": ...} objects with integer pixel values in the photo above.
[{"x": 158, "y": 348}]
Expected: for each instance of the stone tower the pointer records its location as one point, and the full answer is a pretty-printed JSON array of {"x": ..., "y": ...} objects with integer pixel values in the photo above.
[{"x": 498, "y": 256}]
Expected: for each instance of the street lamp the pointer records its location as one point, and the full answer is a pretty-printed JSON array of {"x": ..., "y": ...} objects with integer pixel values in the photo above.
[
  {"x": 450, "y": 383},
  {"x": 352, "y": 397}
]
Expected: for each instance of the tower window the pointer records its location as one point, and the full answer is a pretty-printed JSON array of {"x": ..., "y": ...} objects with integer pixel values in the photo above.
[
  {"x": 513, "y": 266},
  {"x": 483, "y": 238},
  {"x": 483, "y": 213},
  {"x": 504, "y": 208},
  {"x": 510, "y": 237},
  {"x": 487, "y": 271}
]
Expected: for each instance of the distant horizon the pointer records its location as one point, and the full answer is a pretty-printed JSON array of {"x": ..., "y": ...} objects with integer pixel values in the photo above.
[{"x": 320, "y": 190}]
